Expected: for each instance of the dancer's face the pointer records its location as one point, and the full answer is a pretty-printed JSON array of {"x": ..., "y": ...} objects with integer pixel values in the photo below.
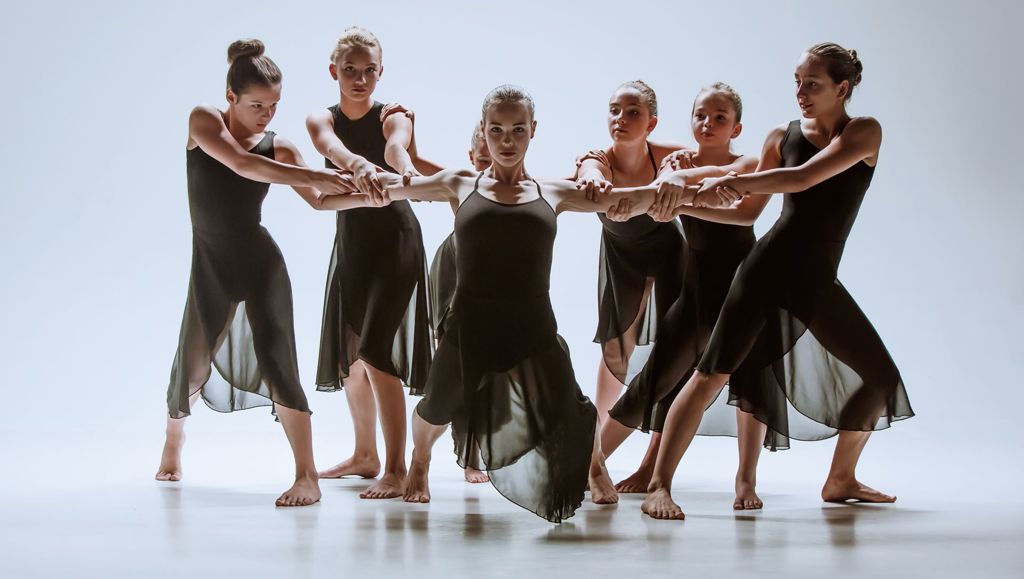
[
  {"x": 256, "y": 107},
  {"x": 713, "y": 120},
  {"x": 508, "y": 129},
  {"x": 816, "y": 93},
  {"x": 629, "y": 119},
  {"x": 479, "y": 155},
  {"x": 357, "y": 71}
]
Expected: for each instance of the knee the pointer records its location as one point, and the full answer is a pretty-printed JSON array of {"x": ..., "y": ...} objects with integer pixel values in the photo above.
[{"x": 708, "y": 385}]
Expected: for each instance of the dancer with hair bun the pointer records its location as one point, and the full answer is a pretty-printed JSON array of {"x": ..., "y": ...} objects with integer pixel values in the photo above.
[
  {"x": 786, "y": 315},
  {"x": 238, "y": 316}
]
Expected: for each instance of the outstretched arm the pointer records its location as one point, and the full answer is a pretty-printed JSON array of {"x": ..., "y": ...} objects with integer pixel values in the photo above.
[
  {"x": 447, "y": 185},
  {"x": 321, "y": 130},
  {"x": 620, "y": 203},
  {"x": 206, "y": 128},
  {"x": 750, "y": 207},
  {"x": 287, "y": 152},
  {"x": 859, "y": 141}
]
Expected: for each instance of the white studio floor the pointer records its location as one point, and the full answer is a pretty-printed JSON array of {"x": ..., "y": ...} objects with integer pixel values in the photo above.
[{"x": 85, "y": 505}]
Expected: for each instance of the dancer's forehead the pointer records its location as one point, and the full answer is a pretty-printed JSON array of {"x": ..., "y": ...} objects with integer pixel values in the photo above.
[{"x": 508, "y": 113}]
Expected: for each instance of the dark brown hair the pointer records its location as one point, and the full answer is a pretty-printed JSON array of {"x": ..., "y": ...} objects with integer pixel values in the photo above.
[
  {"x": 249, "y": 66},
  {"x": 645, "y": 90},
  {"x": 729, "y": 92},
  {"x": 841, "y": 63}
]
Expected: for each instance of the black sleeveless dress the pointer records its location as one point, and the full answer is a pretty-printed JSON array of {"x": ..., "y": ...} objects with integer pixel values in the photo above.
[
  {"x": 787, "y": 317},
  {"x": 631, "y": 252},
  {"x": 238, "y": 315},
  {"x": 442, "y": 284},
  {"x": 714, "y": 251},
  {"x": 375, "y": 307},
  {"x": 502, "y": 376}
]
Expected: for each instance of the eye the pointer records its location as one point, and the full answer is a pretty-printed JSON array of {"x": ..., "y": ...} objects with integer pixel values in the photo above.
[
  {"x": 349, "y": 68},
  {"x": 495, "y": 129},
  {"x": 519, "y": 129},
  {"x": 699, "y": 116},
  {"x": 721, "y": 117}
]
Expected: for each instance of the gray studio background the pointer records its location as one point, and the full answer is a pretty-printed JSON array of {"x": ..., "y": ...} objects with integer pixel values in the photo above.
[{"x": 95, "y": 235}]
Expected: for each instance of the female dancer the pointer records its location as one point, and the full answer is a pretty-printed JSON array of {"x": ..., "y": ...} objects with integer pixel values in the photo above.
[
  {"x": 786, "y": 315},
  {"x": 638, "y": 257},
  {"x": 501, "y": 375},
  {"x": 238, "y": 316},
  {"x": 715, "y": 250},
  {"x": 376, "y": 333}
]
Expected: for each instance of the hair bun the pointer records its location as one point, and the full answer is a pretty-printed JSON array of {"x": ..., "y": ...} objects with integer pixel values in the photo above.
[{"x": 250, "y": 47}]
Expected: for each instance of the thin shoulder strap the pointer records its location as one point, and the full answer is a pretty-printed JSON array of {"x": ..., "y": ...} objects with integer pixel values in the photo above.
[
  {"x": 650, "y": 155},
  {"x": 476, "y": 184}
]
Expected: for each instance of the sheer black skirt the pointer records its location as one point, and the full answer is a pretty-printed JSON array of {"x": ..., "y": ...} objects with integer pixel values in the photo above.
[
  {"x": 376, "y": 307},
  {"x": 821, "y": 365},
  {"x": 238, "y": 319},
  {"x": 503, "y": 378}
]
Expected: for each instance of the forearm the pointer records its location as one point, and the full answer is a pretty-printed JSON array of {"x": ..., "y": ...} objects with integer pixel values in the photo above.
[
  {"x": 426, "y": 167},
  {"x": 781, "y": 180},
  {"x": 398, "y": 157},
  {"x": 341, "y": 202},
  {"x": 264, "y": 170}
]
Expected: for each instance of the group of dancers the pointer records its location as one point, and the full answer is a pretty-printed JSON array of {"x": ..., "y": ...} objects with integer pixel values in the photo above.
[{"x": 680, "y": 270}]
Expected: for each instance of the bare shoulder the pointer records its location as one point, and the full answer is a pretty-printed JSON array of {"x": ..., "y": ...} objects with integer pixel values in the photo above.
[
  {"x": 863, "y": 128},
  {"x": 206, "y": 114},
  {"x": 393, "y": 122},
  {"x": 748, "y": 163},
  {"x": 778, "y": 132},
  {"x": 285, "y": 150},
  {"x": 320, "y": 117}
]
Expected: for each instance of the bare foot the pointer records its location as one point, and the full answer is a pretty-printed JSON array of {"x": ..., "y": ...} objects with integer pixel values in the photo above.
[
  {"x": 170, "y": 458},
  {"x": 363, "y": 466},
  {"x": 840, "y": 491},
  {"x": 476, "y": 476},
  {"x": 635, "y": 483},
  {"x": 602, "y": 491},
  {"x": 305, "y": 492},
  {"x": 746, "y": 497},
  {"x": 659, "y": 505},
  {"x": 388, "y": 487},
  {"x": 417, "y": 488}
]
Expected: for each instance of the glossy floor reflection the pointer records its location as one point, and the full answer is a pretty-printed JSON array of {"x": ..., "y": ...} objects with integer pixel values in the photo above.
[{"x": 220, "y": 522}]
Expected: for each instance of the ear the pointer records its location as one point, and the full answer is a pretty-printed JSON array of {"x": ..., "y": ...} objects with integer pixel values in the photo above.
[
  {"x": 844, "y": 89},
  {"x": 380, "y": 71},
  {"x": 651, "y": 124},
  {"x": 737, "y": 130},
  {"x": 472, "y": 160},
  {"x": 533, "y": 129},
  {"x": 334, "y": 71},
  {"x": 231, "y": 97}
]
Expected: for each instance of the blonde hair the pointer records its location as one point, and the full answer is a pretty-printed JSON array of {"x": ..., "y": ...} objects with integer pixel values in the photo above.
[
  {"x": 646, "y": 92},
  {"x": 729, "y": 92},
  {"x": 355, "y": 36},
  {"x": 507, "y": 93}
]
